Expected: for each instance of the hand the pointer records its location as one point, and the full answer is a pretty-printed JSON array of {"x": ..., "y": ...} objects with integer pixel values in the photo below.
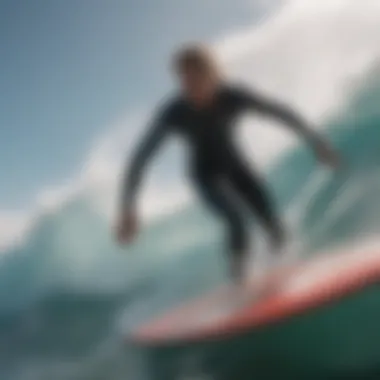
[
  {"x": 326, "y": 154},
  {"x": 127, "y": 228}
]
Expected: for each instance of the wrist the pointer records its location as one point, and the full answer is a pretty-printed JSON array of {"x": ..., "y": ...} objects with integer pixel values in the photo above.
[{"x": 316, "y": 142}]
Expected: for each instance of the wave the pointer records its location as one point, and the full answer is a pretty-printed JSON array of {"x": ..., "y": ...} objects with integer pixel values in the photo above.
[
  {"x": 67, "y": 292},
  {"x": 70, "y": 284}
]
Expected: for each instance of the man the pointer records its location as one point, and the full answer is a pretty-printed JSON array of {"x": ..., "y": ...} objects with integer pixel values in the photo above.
[{"x": 203, "y": 113}]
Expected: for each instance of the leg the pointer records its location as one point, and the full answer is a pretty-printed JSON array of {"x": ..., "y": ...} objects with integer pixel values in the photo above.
[
  {"x": 216, "y": 195},
  {"x": 252, "y": 189}
]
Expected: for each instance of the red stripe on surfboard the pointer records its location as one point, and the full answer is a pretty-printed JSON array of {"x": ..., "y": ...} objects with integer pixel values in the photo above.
[{"x": 306, "y": 286}]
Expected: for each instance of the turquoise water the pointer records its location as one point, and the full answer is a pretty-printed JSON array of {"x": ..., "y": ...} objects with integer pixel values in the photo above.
[{"x": 69, "y": 296}]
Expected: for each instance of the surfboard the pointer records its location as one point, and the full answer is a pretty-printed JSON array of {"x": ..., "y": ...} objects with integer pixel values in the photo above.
[{"x": 298, "y": 289}]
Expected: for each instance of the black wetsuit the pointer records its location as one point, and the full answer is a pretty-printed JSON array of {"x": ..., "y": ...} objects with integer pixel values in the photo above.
[{"x": 218, "y": 170}]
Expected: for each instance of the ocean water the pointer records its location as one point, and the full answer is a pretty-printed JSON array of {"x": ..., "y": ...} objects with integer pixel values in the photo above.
[{"x": 69, "y": 296}]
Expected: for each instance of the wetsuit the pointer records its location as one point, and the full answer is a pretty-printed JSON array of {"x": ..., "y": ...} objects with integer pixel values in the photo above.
[{"x": 217, "y": 168}]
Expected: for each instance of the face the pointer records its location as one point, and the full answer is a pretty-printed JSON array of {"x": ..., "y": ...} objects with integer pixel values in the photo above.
[{"x": 199, "y": 87}]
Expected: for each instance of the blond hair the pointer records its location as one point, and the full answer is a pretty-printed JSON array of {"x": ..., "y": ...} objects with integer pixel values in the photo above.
[{"x": 197, "y": 56}]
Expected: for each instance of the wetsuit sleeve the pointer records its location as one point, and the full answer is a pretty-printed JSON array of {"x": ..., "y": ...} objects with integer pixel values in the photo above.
[
  {"x": 258, "y": 103},
  {"x": 150, "y": 143}
]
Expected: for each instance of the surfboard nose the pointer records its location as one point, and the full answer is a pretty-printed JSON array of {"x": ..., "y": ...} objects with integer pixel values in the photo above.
[{"x": 306, "y": 286}]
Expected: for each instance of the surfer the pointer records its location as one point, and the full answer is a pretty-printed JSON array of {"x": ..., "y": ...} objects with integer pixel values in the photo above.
[{"x": 203, "y": 113}]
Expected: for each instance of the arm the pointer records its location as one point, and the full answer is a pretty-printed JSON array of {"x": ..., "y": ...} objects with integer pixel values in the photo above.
[
  {"x": 289, "y": 117},
  {"x": 127, "y": 224},
  {"x": 144, "y": 152},
  {"x": 285, "y": 114}
]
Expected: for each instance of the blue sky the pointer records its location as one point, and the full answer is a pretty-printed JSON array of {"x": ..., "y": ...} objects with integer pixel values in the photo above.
[{"x": 70, "y": 68}]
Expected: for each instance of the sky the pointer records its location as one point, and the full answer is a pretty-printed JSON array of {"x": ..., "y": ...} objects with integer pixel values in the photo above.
[
  {"x": 69, "y": 69},
  {"x": 78, "y": 80}
]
